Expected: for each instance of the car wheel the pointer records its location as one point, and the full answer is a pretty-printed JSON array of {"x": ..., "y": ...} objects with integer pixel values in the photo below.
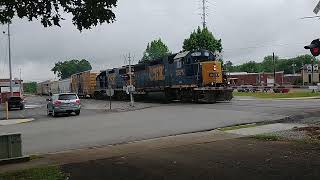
[
  {"x": 77, "y": 112},
  {"x": 21, "y": 107}
]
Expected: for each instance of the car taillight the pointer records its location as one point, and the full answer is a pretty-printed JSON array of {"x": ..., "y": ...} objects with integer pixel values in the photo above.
[
  {"x": 57, "y": 103},
  {"x": 78, "y": 101}
]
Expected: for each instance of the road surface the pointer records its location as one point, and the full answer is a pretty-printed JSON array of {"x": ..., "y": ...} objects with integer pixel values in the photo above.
[{"x": 95, "y": 127}]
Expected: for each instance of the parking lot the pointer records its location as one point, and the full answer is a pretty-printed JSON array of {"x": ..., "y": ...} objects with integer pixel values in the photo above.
[{"x": 98, "y": 126}]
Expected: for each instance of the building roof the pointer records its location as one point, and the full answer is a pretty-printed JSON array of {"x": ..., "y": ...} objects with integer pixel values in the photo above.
[
  {"x": 246, "y": 73},
  {"x": 292, "y": 75}
]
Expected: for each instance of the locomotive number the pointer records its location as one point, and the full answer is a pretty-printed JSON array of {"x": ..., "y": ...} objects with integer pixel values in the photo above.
[{"x": 214, "y": 75}]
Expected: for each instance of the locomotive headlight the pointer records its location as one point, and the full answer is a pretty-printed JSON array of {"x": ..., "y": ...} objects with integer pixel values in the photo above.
[{"x": 215, "y": 67}]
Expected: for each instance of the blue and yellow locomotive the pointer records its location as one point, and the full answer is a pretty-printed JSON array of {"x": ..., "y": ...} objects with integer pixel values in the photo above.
[{"x": 192, "y": 76}]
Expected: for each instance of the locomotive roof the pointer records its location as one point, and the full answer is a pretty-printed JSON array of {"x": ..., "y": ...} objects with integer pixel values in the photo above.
[{"x": 181, "y": 55}]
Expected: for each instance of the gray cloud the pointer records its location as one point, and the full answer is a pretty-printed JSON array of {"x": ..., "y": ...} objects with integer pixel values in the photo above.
[{"x": 274, "y": 24}]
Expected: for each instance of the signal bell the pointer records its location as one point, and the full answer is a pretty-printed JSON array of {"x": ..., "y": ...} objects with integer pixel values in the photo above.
[{"x": 314, "y": 47}]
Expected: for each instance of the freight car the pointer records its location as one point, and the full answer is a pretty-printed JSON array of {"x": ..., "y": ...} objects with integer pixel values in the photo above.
[
  {"x": 187, "y": 76},
  {"x": 84, "y": 83},
  {"x": 44, "y": 88}
]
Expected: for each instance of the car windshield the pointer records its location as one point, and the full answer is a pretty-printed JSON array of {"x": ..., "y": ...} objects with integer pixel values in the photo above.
[{"x": 67, "y": 97}]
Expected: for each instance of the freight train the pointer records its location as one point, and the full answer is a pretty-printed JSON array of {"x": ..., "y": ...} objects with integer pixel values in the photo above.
[
  {"x": 84, "y": 84},
  {"x": 191, "y": 76}
]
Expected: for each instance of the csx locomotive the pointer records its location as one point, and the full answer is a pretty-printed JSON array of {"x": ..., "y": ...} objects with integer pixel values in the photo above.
[{"x": 191, "y": 76}]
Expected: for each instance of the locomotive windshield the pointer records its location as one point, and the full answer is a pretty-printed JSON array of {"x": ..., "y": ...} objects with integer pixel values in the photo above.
[{"x": 200, "y": 56}]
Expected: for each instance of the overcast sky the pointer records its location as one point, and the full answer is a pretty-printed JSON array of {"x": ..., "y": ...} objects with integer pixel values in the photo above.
[{"x": 243, "y": 25}]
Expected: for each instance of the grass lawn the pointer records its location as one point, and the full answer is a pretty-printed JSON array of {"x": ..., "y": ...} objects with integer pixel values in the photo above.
[
  {"x": 44, "y": 173},
  {"x": 237, "y": 127},
  {"x": 278, "y": 95}
]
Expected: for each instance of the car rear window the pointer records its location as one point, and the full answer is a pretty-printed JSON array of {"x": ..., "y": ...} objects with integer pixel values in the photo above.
[
  {"x": 15, "y": 98},
  {"x": 67, "y": 97}
]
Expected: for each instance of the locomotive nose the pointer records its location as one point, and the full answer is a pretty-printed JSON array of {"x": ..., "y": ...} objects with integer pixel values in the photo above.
[{"x": 212, "y": 72}]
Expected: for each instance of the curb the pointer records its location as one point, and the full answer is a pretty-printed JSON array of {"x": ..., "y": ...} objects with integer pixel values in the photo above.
[{"x": 15, "y": 121}]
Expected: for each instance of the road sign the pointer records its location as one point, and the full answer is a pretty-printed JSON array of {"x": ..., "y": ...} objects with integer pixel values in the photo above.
[
  {"x": 317, "y": 8},
  {"x": 110, "y": 92},
  {"x": 313, "y": 87}
]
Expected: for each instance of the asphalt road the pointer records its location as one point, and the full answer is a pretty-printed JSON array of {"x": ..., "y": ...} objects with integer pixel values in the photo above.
[{"x": 96, "y": 127}]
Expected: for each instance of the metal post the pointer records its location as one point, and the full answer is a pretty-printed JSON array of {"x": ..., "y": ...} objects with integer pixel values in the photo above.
[
  {"x": 312, "y": 72},
  {"x": 110, "y": 98},
  {"x": 7, "y": 110},
  {"x": 21, "y": 83},
  {"x": 130, "y": 81},
  {"x": 303, "y": 74},
  {"x": 10, "y": 65}
]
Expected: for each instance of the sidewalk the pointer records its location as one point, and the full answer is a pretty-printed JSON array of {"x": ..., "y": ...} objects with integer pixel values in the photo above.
[{"x": 206, "y": 156}]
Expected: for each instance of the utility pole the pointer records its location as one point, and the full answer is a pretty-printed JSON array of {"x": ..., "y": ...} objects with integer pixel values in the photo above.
[
  {"x": 130, "y": 82},
  {"x": 10, "y": 65},
  {"x": 204, "y": 8},
  {"x": 274, "y": 69}
]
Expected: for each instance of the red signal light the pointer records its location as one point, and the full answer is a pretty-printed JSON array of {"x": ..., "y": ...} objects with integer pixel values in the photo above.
[
  {"x": 315, "y": 51},
  {"x": 314, "y": 47}
]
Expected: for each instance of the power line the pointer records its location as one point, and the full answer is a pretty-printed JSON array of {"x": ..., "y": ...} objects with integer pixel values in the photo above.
[{"x": 263, "y": 46}]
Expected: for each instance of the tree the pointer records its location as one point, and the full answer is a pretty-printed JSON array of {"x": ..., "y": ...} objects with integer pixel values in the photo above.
[
  {"x": 267, "y": 64},
  {"x": 30, "y": 87},
  {"x": 228, "y": 65},
  {"x": 250, "y": 67},
  {"x": 86, "y": 13},
  {"x": 155, "y": 50},
  {"x": 287, "y": 65},
  {"x": 67, "y": 68},
  {"x": 202, "y": 39}
]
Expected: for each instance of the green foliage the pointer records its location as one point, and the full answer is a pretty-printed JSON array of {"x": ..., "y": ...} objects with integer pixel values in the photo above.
[
  {"x": 155, "y": 50},
  {"x": 44, "y": 173},
  {"x": 86, "y": 13},
  {"x": 67, "y": 68},
  {"x": 267, "y": 137},
  {"x": 267, "y": 65},
  {"x": 30, "y": 87},
  {"x": 202, "y": 39}
]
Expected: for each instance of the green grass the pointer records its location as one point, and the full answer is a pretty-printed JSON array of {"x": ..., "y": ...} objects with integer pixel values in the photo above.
[
  {"x": 278, "y": 95},
  {"x": 44, "y": 173},
  {"x": 267, "y": 137},
  {"x": 237, "y": 127},
  {"x": 35, "y": 156}
]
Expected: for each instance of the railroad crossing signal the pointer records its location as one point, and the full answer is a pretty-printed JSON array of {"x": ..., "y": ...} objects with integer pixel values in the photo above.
[
  {"x": 314, "y": 47},
  {"x": 317, "y": 8}
]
